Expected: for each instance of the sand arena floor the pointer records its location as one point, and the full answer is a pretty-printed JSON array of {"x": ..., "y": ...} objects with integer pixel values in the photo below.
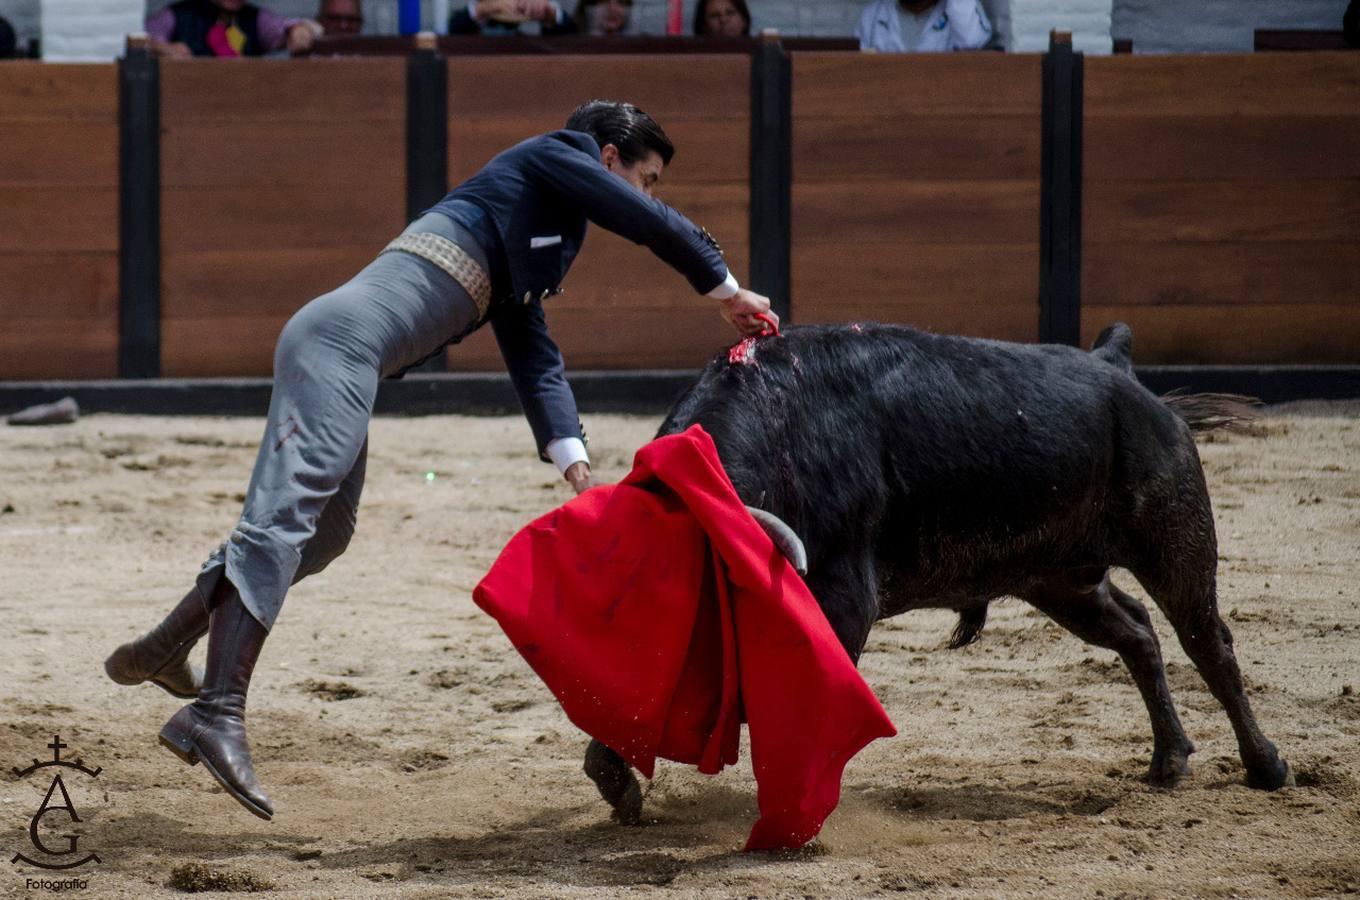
[{"x": 411, "y": 753}]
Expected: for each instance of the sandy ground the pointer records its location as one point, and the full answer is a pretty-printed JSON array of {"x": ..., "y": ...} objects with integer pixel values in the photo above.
[{"x": 411, "y": 753}]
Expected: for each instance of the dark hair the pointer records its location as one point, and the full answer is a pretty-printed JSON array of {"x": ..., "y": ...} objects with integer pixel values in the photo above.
[
  {"x": 581, "y": 18},
  {"x": 623, "y": 125},
  {"x": 701, "y": 23},
  {"x": 8, "y": 40}
]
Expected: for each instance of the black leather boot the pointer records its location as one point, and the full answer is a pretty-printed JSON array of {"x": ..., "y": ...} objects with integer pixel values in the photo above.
[
  {"x": 212, "y": 729},
  {"x": 161, "y": 656}
]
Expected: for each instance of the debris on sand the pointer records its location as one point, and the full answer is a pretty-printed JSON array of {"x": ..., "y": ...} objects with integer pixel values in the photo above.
[
  {"x": 195, "y": 878},
  {"x": 62, "y": 412},
  {"x": 331, "y": 690}
]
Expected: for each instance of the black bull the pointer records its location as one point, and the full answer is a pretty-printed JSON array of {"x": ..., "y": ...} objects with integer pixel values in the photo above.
[{"x": 930, "y": 471}]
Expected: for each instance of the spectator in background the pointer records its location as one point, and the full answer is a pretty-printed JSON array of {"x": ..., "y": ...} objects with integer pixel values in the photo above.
[
  {"x": 8, "y": 39},
  {"x": 226, "y": 28},
  {"x": 602, "y": 18},
  {"x": 506, "y": 16},
  {"x": 341, "y": 18},
  {"x": 722, "y": 18},
  {"x": 923, "y": 26},
  {"x": 1350, "y": 23}
]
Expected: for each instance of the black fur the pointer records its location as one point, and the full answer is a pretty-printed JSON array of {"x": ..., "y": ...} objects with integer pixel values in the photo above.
[
  {"x": 950, "y": 470},
  {"x": 926, "y": 470}
]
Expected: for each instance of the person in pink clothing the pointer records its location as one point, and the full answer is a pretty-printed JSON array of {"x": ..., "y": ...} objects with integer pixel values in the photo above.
[{"x": 226, "y": 28}]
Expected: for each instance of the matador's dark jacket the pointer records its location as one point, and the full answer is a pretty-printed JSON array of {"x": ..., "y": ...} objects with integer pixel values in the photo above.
[{"x": 528, "y": 208}]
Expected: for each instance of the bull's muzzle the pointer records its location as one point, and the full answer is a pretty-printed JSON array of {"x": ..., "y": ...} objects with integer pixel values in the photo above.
[{"x": 788, "y": 543}]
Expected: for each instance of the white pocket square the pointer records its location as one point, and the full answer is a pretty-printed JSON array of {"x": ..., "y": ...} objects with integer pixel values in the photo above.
[{"x": 548, "y": 241}]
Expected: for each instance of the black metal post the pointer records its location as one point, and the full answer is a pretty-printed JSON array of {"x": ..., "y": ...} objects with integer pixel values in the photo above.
[
  {"x": 427, "y": 140},
  {"x": 139, "y": 211},
  {"x": 772, "y": 174},
  {"x": 1060, "y": 194}
]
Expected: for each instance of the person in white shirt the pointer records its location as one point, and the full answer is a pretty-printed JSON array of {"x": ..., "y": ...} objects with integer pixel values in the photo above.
[{"x": 923, "y": 26}]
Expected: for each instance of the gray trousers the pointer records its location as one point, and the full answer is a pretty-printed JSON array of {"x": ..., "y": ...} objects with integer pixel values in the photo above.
[{"x": 303, "y": 499}]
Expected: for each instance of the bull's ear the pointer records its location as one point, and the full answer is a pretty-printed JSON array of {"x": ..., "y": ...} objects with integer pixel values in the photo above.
[{"x": 784, "y": 538}]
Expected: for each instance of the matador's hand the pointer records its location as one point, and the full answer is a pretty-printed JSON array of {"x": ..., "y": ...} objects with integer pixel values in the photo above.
[
  {"x": 578, "y": 475},
  {"x": 742, "y": 308}
]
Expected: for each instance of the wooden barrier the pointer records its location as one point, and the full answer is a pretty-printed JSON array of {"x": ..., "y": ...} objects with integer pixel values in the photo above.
[
  {"x": 622, "y": 307},
  {"x": 916, "y": 191},
  {"x": 58, "y": 221},
  {"x": 1220, "y": 200},
  {"x": 281, "y": 179},
  {"x": 1222, "y": 206}
]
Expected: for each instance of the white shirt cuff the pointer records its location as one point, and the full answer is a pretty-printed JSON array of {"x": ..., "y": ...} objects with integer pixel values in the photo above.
[
  {"x": 727, "y": 289},
  {"x": 565, "y": 452}
]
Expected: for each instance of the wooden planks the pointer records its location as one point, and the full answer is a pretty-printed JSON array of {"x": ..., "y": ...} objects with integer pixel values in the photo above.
[
  {"x": 632, "y": 337},
  {"x": 1222, "y": 206},
  {"x": 966, "y": 85},
  {"x": 1234, "y": 334},
  {"x": 235, "y": 345},
  {"x": 58, "y": 220},
  {"x": 280, "y": 180},
  {"x": 622, "y": 307},
  {"x": 916, "y": 191},
  {"x": 670, "y": 88},
  {"x": 1194, "y": 85},
  {"x": 370, "y": 89},
  {"x": 1247, "y": 210},
  {"x": 949, "y": 276},
  {"x": 1221, "y": 203},
  {"x": 1122, "y": 147},
  {"x": 1237, "y": 274}
]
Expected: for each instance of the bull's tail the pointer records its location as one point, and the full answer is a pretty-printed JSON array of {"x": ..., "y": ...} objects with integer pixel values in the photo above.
[
  {"x": 1115, "y": 346},
  {"x": 969, "y": 628},
  {"x": 1202, "y": 412},
  {"x": 1215, "y": 412}
]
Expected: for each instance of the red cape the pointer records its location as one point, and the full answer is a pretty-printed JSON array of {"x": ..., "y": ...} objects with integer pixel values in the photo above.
[{"x": 661, "y": 616}]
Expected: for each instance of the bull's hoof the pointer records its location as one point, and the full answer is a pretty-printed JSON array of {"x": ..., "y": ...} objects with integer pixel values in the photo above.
[
  {"x": 628, "y": 809},
  {"x": 1271, "y": 777},
  {"x": 615, "y": 782},
  {"x": 1168, "y": 769}
]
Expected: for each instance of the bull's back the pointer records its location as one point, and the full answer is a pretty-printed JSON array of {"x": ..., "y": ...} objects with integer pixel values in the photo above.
[
  {"x": 922, "y": 444},
  {"x": 940, "y": 407}
]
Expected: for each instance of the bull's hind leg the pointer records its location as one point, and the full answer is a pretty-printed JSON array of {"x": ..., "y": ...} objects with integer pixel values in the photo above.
[
  {"x": 1177, "y": 564},
  {"x": 1089, "y": 606},
  {"x": 616, "y": 782},
  {"x": 1190, "y": 603}
]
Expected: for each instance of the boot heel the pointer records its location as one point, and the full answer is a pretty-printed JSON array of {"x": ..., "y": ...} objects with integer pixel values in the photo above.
[{"x": 179, "y": 745}]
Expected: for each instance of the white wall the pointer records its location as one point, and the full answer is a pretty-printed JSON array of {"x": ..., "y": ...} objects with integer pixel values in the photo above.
[
  {"x": 88, "y": 30},
  {"x": 1156, "y": 26},
  {"x": 1088, "y": 20}
]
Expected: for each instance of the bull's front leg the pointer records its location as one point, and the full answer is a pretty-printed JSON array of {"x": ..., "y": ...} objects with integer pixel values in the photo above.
[
  {"x": 1089, "y": 605},
  {"x": 616, "y": 782},
  {"x": 846, "y": 588}
]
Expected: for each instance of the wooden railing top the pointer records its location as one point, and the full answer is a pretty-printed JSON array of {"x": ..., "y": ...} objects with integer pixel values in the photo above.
[{"x": 1301, "y": 39}]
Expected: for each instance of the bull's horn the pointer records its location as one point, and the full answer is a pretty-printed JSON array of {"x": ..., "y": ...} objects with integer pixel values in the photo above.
[{"x": 788, "y": 543}]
